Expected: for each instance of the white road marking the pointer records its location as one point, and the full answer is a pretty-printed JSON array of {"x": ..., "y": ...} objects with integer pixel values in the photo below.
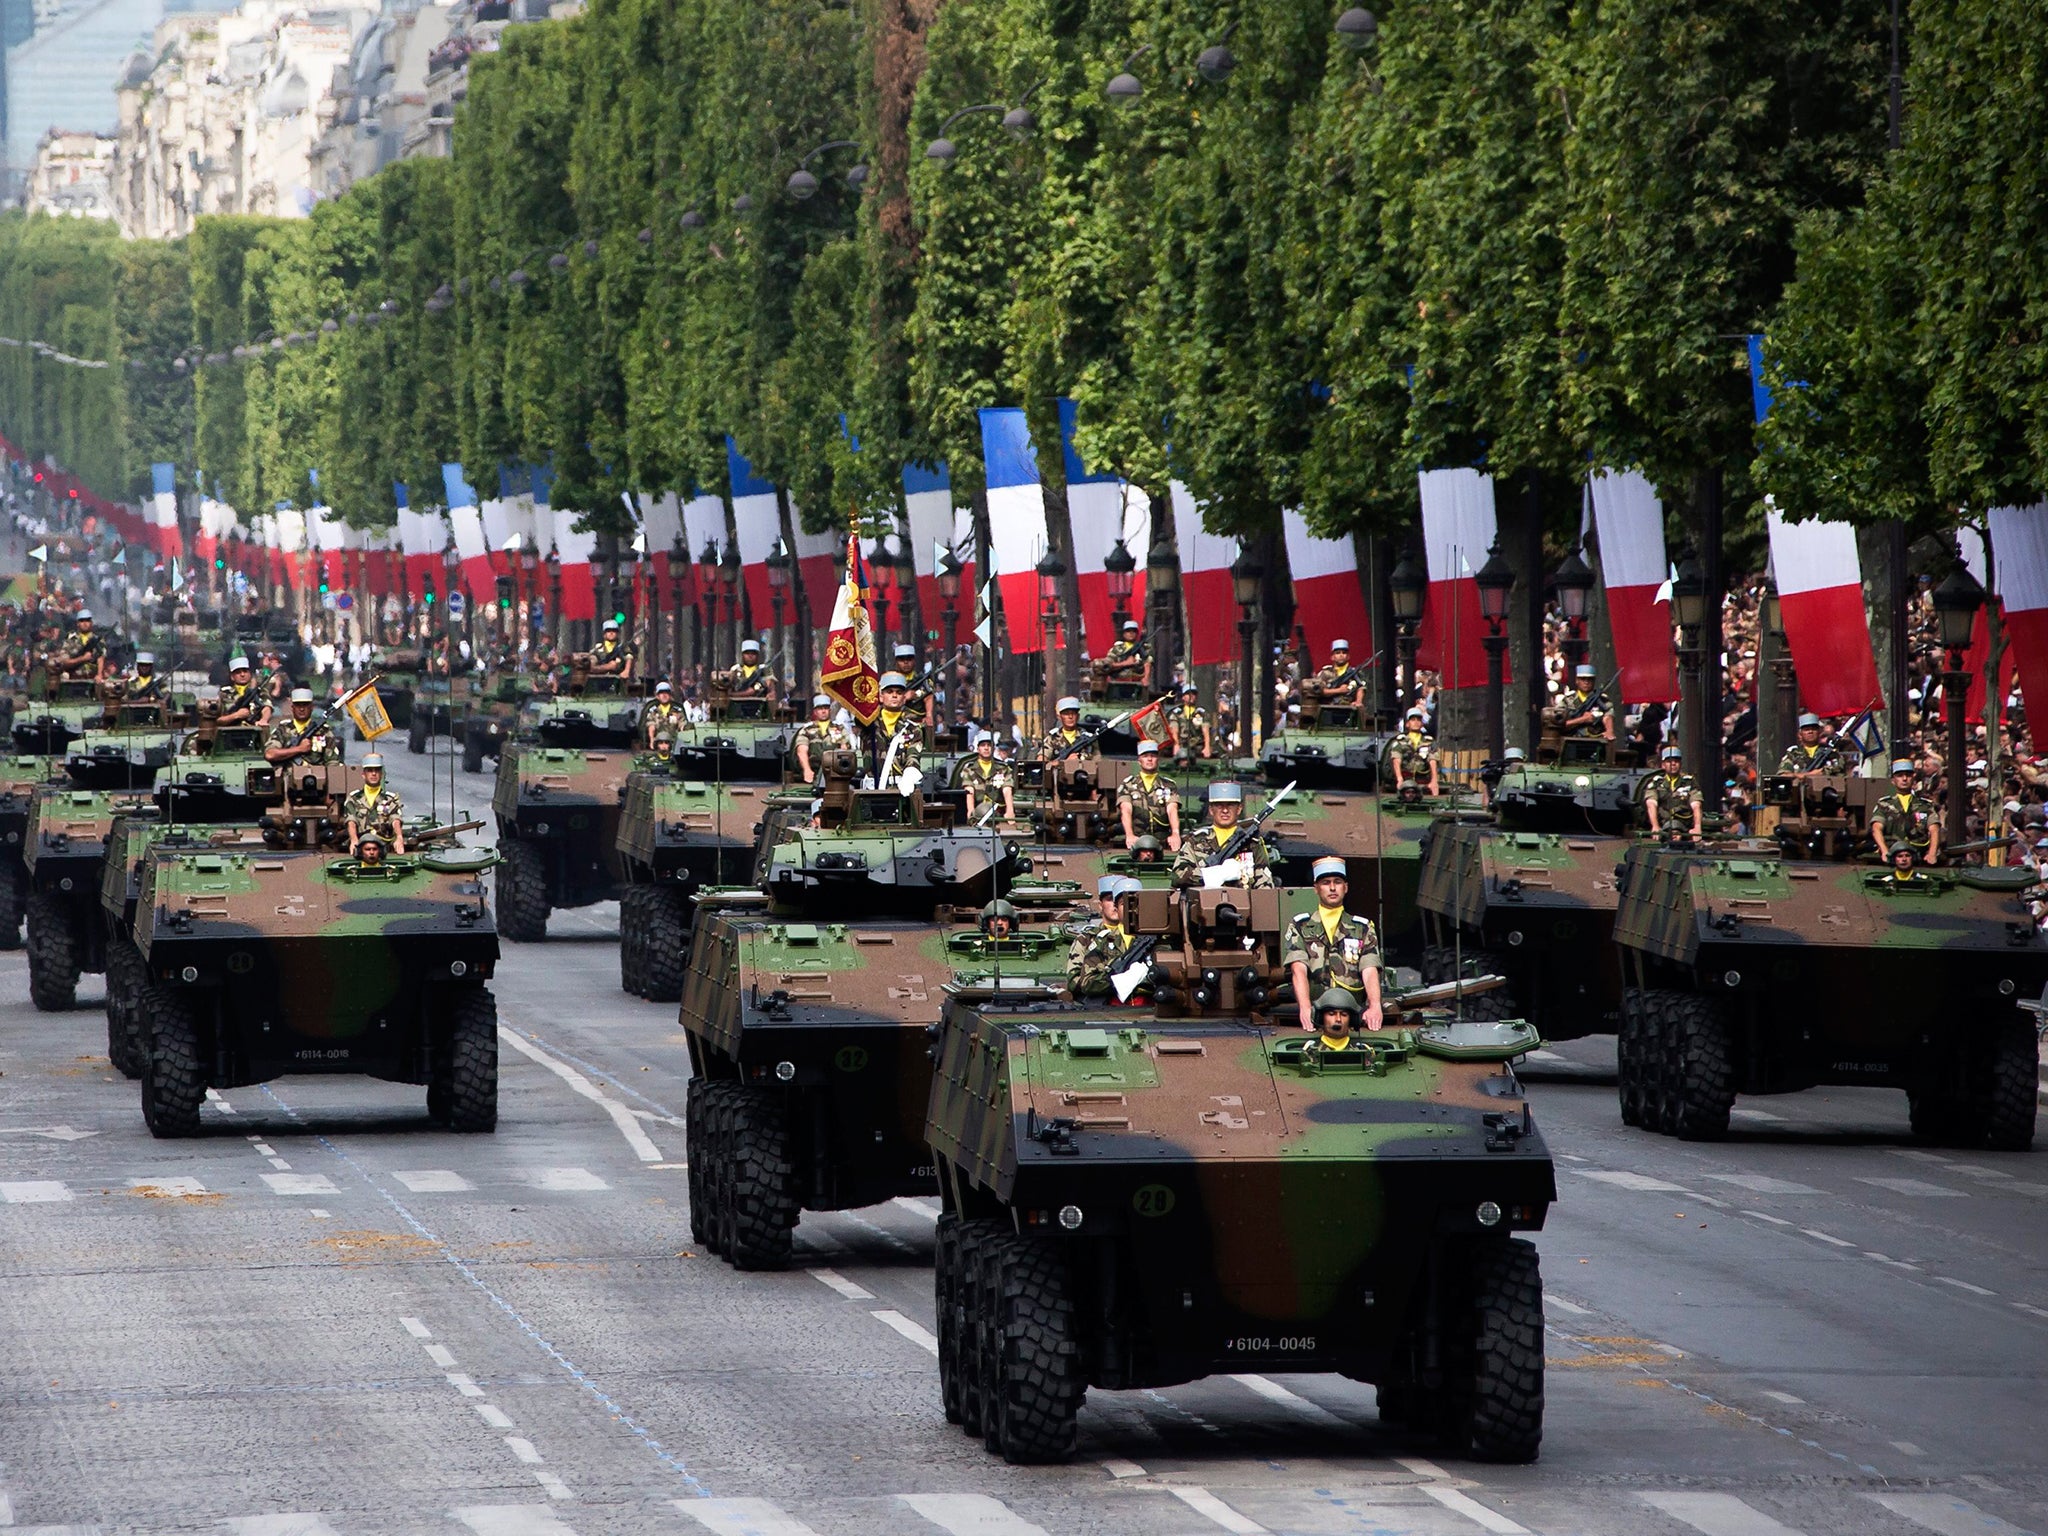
[
  {"x": 1569, "y": 1308},
  {"x": 300, "y": 1184},
  {"x": 213, "y": 1097},
  {"x": 1760, "y": 1116},
  {"x": 442, "y": 1356},
  {"x": 415, "y": 1327},
  {"x": 1964, "y": 1285},
  {"x": 1668, "y": 1349},
  {"x": 1776, "y": 1221},
  {"x": 1784, "y": 1397},
  {"x": 553, "y": 1486},
  {"x": 1763, "y": 1184},
  {"x": 1907, "y": 1448},
  {"x": 624, "y": 1118},
  {"x": 832, "y": 1279},
  {"x": 918, "y": 1205},
  {"x": 1917, "y": 1156},
  {"x": 280, "y": 1163},
  {"x": 1117, "y": 1467},
  {"x": 911, "y": 1331},
  {"x": 2028, "y": 1306},
  {"x": 34, "y": 1192},
  {"x": 317, "y": 1212},
  {"x": 1919, "y": 1188},
  {"x": 1826, "y": 1237},
  {"x": 523, "y": 1449},
  {"x": 175, "y": 1184},
  {"x": 1273, "y": 1392},
  {"x": 1421, "y": 1468},
  {"x": 742, "y": 1517},
  {"x": 1216, "y": 1512},
  {"x": 1717, "y": 1514},
  {"x": 6, "y": 1507},
  {"x": 565, "y": 1179},
  {"x": 1943, "y": 1513},
  {"x": 1976, "y": 1172},
  {"x": 493, "y": 1415},
  {"x": 264, "y": 1148},
  {"x": 279, "y": 1525},
  {"x": 464, "y": 1385},
  {"x": 511, "y": 1520},
  {"x": 970, "y": 1514},
  {"x": 433, "y": 1181},
  {"x": 1621, "y": 1179},
  {"x": 1490, "y": 1519}
]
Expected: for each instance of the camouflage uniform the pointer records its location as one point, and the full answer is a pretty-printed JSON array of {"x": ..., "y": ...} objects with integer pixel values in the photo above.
[
  {"x": 907, "y": 735},
  {"x": 1054, "y": 742},
  {"x": 384, "y": 816},
  {"x": 77, "y": 646},
  {"x": 1332, "y": 679},
  {"x": 1911, "y": 823},
  {"x": 1822, "y": 759},
  {"x": 1115, "y": 662},
  {"x": 745, "y": 682},
  {"x": 1341, "y": 962},
  {"x": 1188, "y": 728},
  {"x": 1412, "y": 750},
  {"x": 606, "y": 652},
  {"x": 288, "y": 733},
  {"x": 823, "y": 736},
  {"x": 989, "y": 785},
  {"x": 1148, "y": 806},
  {"x": 143, "y": 690},
  {"x": 659, "y": 719},
  {"x": 1673, "y": 797},
  {"x": 1576, "y": 704},
  {"x": 1092, "y": 957},
  {"x": 249, "y": 696},
  {"x": 1196, "y": 847}
]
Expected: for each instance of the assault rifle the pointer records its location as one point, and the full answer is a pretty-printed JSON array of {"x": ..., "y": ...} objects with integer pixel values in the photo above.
[
  {"x": 1242, "y": 835},
  {"x": 1087, "y": 739}
]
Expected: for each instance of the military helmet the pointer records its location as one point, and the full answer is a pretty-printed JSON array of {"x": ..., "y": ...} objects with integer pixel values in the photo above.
[
  {"x": 1223, "y": 792},
  {"x": 663, "y": 739},
  {"x": 370, "y": 839},
  {"x": 302, "y": 695},
  {"x": 1329, "y": 864},
  {"x": 374, "y": 760},
  {"x": 995, "y": 909},
  {"x": 1148, "y": 844},
  {"x": 1335, "y": 998}
]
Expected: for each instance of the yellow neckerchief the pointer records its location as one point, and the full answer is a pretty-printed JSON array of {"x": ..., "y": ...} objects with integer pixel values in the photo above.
[
  {"x": 1147, "y": 780},
  {"x": 1113, "y": 930},
  {"x": 1070, "y": 737},
  {"x": 1333, "y": 918},
  {"x": 889, "y": 719},
  {"x": 1905, "y": 799},
  {"x": 1582, "y": 698},
  {"x": 303, "y": 727},
  {"x": 371, "y": 792},
  {"x": 1336, "y": 1045},
  {"x": 1415, "y": 738},
  {"x": 747, "y": 673},
  {"x": 987, "y": 767}
]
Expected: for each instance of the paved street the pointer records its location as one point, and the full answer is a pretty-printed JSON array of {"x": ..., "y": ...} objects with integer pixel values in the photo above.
[{"x": 323, "y": 1318}]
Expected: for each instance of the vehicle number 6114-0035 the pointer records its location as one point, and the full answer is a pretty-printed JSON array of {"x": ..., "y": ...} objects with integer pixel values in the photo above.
[{"x": 1300, "y": 1344}]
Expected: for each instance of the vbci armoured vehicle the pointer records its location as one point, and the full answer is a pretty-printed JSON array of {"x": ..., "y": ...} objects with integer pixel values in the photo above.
[
  {"x": 677, "y": 836},
  {"x": 740, "y": 739},
  {"x": 1134, "y": 1198},
  {"x": 1333, "y": 745},
  {"x": 557, "y": 810}
]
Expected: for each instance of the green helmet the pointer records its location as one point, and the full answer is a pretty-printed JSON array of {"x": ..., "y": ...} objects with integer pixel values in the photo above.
[
  {"x": 1338, "y": 997},
  {"x": 998, "y": 909},
  {"x": 1148, "y": 845}
]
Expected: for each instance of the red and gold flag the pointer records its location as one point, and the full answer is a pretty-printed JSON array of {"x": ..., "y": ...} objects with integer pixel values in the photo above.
[{"x": 850, "y": 673}]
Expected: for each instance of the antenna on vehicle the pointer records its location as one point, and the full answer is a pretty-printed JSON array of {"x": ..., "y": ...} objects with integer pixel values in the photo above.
[{"x": 1457, "y": 864}]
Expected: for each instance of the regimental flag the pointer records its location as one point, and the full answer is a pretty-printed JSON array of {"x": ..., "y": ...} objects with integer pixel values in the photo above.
[
  {"x": 367, "y": 710},
  {"x": 850, "y": 674}
]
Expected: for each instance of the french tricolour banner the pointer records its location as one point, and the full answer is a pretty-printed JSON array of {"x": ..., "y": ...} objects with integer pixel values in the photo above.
[
  {"x": 703, "y": 530},
  {"x": 2019, "y": 549},
  {"x": 163, "y": 532},
  {"x": 466, "y": 522},
  {"x": 1820, "y": 599},
  {"x": 1629, "y": 521},
  {"x": 1457, "y": 532},
  {"x": 1971, "y": 542},
  {"x": 663, "y": 525},
  {"x": 1205, "y": 560},
  {"x": 1016, "y": 521},
  {"x": 757, "y": 519},
  {"x": 817, "y": 569},
  {"x": 573, "y": 549},
  {"x": 849, "y": 672},
  {"x": 1328, "y": 603},
  {"x": 934, "y": 520},
  {"x": 1103, "y": 510}
]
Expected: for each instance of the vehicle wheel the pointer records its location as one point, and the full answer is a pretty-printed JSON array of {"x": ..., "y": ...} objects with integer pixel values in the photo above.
[
  {"x": 1629, "y": 1057},
  {"x": 53, "y": 958},
  {"x": 986, "y": 1337},
  {"x": 1488, "y": 1007},
  {"x": 2009, "y": 1088},
  {"x": 126, "y": 977},
  {"x": 633, "y": 922},
  {"x": 966, "y": 1320},
  {"x": 1039, "y": 1383},
  {"x": 761, "y": 1181},
  {"x": 1657, "y": 1043},
  {"x": 472, "y": 751},
  {"x": 717, "y": 1167},
  {"x": 696, "y": 1109},
  {"x": 665, "y": 946},
  {"x": 945, "y": 1256},
  {"x": 13, "y": 902},
  {"x": 1501, "y": 1391},
  {"x": 416, "y": 732},
  {"x": 1436, "y": 964},
  {"x": 522, "y": 893},
  {"x": 473, "y": 1061},
  {"x": 173, "y": 1078},
  {"x": 1702, "y": 1091}
]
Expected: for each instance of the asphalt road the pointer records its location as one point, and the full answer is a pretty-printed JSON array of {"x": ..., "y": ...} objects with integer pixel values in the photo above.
[{"x": 324, "y": 1318}]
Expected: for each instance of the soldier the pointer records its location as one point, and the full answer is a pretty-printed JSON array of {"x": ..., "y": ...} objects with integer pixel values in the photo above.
[
  {"x": 985, "y": 779},
  {"x": 299, "y": 736},
  {"x": 1336, "y": 1015},
  {"x": 1065, "y": 734},
  {"x": 924, "y": 704},
  {"x": 85, "y": 651},
  {"x": 1251, "y": 866},
  {"x": 817, "y": 736},
  {"x": 1902, "y": 870},
  {"x": 1148, "y": 850},
  {"x": 372, "y": 810},
  {"x": 242, "y": 701},
  {"x": 900, "y": 727},
  {"x": 1124, "y": 662},
  {"x": 1810, "y": 756},
  {"x": 1584, "y": 710},
  {"x": 610, "y": 657},
  {"x": 662, "y": 715},
  {"x": 1331, "y": 947},
  {"x": 1148, "y": 802},
  {"x": 144, "y": 687},
  {"x": 748, "y": 680},
  {"x": 1666, "y": 794},
  {"x": 369, "y": 849},
  {"x": 1190, "y": 726},
  {"x": 1093, "y": 955},
  {"x": 1413, "y": 750},
  {"x": 998, "y": 920},
  {"x": 1906, "y": 818},
  {"x": 1338, "y": 679}
]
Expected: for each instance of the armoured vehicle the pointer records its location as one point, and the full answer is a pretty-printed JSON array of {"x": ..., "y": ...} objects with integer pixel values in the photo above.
[
  {"x": 277, "y": 961},
  {"x": 53, "y": 716},
  {"x": 492, "y": 717},
  {"x": 1331, "y": 746},
  {"x": 744, "y": 739},
  {"x": 64, "y": 850},
  {"x": 19, "y": 777},
  {"x": 1588, "y": 786},
  {"x": 1534, "y": 907},
  {"x": 677, "y": 836},
  {"x": 1745, "y": 971},
  {"x": 1133, "y": 1198},
  {"x": 588, "y": 712},
  {"x": 809, "y": 1058},
  {"x": 124, "y": 745},
  {"x": 557, "y": 810}
]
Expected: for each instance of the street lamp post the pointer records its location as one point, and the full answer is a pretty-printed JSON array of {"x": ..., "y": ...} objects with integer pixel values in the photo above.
[
  {"x": 1162, "y": 580},
  {"x": 1573, "y": 580},
  {"x": 1407, "y": 587},
  {"x": 1689, "y": 609},
  {"x": 729, "y": 584},
  {"x": 1956, "y": 602},
  {"x": 678, "y": 571},
  {"x": 1247, "y": 577},
  {"x": 1120, "y": 567},
  {"x": 1495, "y": 581},
  {"x": 1050, "y": 569},
  {"x": 778, "y": 591},
  {"x": 948, "y": 574},
  {"x": 884, "y": 577}
]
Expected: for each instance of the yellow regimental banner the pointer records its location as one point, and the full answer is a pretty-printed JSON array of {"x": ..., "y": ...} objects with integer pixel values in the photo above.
[{"x": 367, "y": 710}]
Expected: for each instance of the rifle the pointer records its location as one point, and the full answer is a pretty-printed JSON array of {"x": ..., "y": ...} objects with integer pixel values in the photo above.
[
  {"x": 1133, "y": 968},
  {"x": 1087, "y": 739},
  {"x": 1245, "y": 831}
]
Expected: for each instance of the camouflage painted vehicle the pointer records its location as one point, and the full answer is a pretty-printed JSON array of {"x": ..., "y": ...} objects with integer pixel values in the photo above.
[
  {"x": 1133, "y": 1198},
  {"x": 678, "y": 836},
  {"x": 493, "y": 717},
  {"x": 64, "y": 851},
  {"x": 19, "y": 778},
  {"x": 1330, "y": 746},
  {"x": 1587, "y": 787},
  {"x": 747, "y": 740},
  {"x": 1747, "y": 972},
  {"x": 124, "y": 746},
  {"x": 557, "y": 810},
  {"x": 809, "y": 1059},
  {"x": 599, "y": 713},
  {"x": 1534, "y": 907},
  {"x": 273, "y": 962},
  {"x": 51, "y": 717}
]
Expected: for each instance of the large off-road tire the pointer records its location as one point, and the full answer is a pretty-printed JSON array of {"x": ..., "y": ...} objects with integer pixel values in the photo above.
[
  {"x": 1436, "y": 964},
  {"x": 1702, "y": 1090},
  {"x": 719, "y": 1100},
  {"x": 174, "y": 1076},
  {"x": 522, "y": 893},
  {"x": 127, "y": 976},
  {"x": 1038, "y": 1383},
  {"x": 945, "y": 1281},
  {"x": 2007, "y": 1089},
  {"x": 985, "y": 1334},
  {"x": 966, "y": 1325},
  {"x": 1659, "y": 1044},
  {"x": 761, "y": 1181},
  {"x": 54, "y": 958},
  {"x": 696, "y": 1112},
  {"x": 472, "y": 750},
  {"x": 1499, "y": 1389},
  {"x": 1487, "y": 1007},
  {"x": 1629, "y": 1059},
  {"x": 416, "y": 732},
  {"x": 473, "y": 1061},
  {"x": 634, "y": 908},
  {"x": 665, "y": 945},
  {"x": 13, "y": 901}
]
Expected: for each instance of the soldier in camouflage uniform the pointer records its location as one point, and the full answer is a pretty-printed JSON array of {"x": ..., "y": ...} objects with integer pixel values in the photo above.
[
  {"x": 817, "y": 736},
  {"x": 1905, "y": 817},
  {"x": 1336, "y": 1016},
  {"x": 611, "y": 656},
  {"x": 1253, "y": 860},
  {"x": 1667, "y": 794},
  {"x": 1065, "y": 734},
  {"x": 1413, "y": 751},
  {"x": 898, "y": 724},
  {"x": 299, "y": 738},
  {"x": 84, "y": 653},
  {"x": 659, "y": 757},
  {"x": 373, "y": 809},
  {"x": 986, "y": 779},
  {"x": 1191, "y": 738},
  {"x": 1810, "y": 755},
  {"x": 1338, "y": 680},
  {"x": 749, "y": 680},
  {"x": 1148, "y": 802},
  {"x": 1095, "y": 950},
  {"x": 1124, "y": 662},
  {"x": 242, "y": 699},
  {"x": 1331, "y": 947},
  {"x": 1584, "y": 712},
  {"x": 663, "y": 716},
  {"x": 146, "y": 686}
]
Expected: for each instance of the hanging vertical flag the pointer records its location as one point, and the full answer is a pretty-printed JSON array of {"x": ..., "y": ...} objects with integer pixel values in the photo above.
[
  {"x": 704, "y": 528},
  {"x": 2019, "y": 549},
  {"x": 1629, "y": 520},
  {"x": 572, "y": 549},
  {"x": 1205, "y": 560},
  {"x": 1457, "y": 531},
  {"x": 164, "y": 533},
  {"x": 817, "y": 571},
  {"x": 289, "y": 563},
  {"x": 1971, "y": 542},
  {"x": 466, "y": 523},
  {"x": 937, "y": 525},
  {"x": 1328, "y": 601},
  {"x": 663, "y": 527},
  {"x": 849, "y": 672},
  {"x": 757, "y": 522},
  {"x": 1102, "y": 510},
  {"x": 508, "y": 516},
  {"x": 1820, "y": 602},
  {"x": 1016, "y": 521}
]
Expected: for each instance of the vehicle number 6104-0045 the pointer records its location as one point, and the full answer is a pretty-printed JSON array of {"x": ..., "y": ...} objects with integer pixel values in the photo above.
[{"x": 1299, "y": 1344}]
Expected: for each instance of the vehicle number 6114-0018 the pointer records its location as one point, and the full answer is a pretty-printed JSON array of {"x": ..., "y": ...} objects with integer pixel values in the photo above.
[{"x": 1299, "y": 1344}]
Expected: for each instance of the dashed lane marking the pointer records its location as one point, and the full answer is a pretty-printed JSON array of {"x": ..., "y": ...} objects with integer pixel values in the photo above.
[
  {"x": 1622, "y": 1179},
  {"x": 1918, "y": 1188},
  {"x": 552, "y": 1485},
  {"x": 970, "y": 1514},
  {"x": 522, "y": 1448},
  {"x": 1944, "y": 1513},
  {"x": 1717, "y": 1514},
  {"x": 1119, "y": 1468},
  {"x": 174, "y": 1184},
  {"x": 742, "y": 1517},
  {"x": 1488, "y": 1519},
  {"x": 1757, "y": 1116},
  {"x": 512, "y": 1520},
  {"x": 34, "y": 1191},
  {"x": 1569, "y": 1308},
  {"x": 1216, "y": 1512},
  {"x": 833, "y": 1280},
  {"x": 623, "y": 1117},
  {"x": 1963, "y": 1285},
  {"x": 1784, "y": 1397},
  {"x": 415, "y": 1327},
  {"x": 280, "y": 1525},
  {"x": 442, "y": 1356},
  {"x": 464, "y": 1384},
  {"x": 1907, "y": 1448},
  {"x": 1763, "y": 1184},
  {"x": 565, "y": 1179},
  {"x": 914, "y": 1332},
  {"x": 493, "y": 1415},
  {"x": 433, "y": 1181},
  {"x": 1827, "y": 1237},
  {"x": 1273, "y": 1392},
  {"x": 300, "y": 1184}
]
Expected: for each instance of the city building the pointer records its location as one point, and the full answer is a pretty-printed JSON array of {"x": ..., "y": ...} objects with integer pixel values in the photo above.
[{"x": 70, "y": 176}]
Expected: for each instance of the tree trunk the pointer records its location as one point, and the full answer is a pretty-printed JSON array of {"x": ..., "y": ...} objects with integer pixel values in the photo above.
[{"x": 1883, "y": 558}]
